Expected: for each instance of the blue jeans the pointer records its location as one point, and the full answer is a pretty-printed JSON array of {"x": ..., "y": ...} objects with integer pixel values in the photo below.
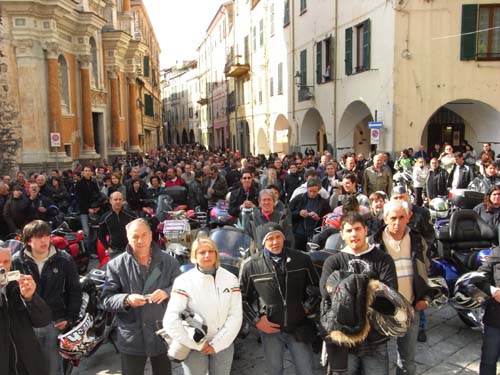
[
  {"x": 422, "y": 321},
  {"x": 490, "y": 351},
  {"x": 274, "y": 345},
  {"x": 84, "y": 218},
  {"x": 374, "y": 363},
  {"x": 47, "y": 337},
  {"x": 198, "y": 363},
  {"x": 406, "y": 350}
]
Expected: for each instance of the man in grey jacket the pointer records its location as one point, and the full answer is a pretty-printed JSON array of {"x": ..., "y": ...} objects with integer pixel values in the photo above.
[{"x": 138, "y": 284}]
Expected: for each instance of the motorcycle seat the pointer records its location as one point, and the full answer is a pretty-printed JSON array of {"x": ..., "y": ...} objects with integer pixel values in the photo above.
[{"x": 466, "y": 230}]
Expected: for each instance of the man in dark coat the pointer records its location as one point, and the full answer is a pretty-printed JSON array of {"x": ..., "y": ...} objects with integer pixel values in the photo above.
[
  {"x": 21, "y": 309},
  {"x": 436, "y": 182},
  {"x": 138, "y": 284},
  {"x": 461, "y": 174},
  {"x": 215, "y": 187},
  {"x": 307, "y": 210},
  {"x": 245, "y": 196}
]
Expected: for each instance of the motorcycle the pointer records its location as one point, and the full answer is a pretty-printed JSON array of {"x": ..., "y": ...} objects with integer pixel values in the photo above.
[
  {"x": 95, "y": 326},
  {"x": 73, "y": 243},
  {"x": 463, "y": 245},
  {"x": 219, "y": 215}
]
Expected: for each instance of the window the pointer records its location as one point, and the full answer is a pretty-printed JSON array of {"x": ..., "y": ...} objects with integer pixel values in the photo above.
[
  {"x": 94, "y": 74},
  {"x": 261, "y": 33},
  {"x": 303, "y": 75},
  {"x": 280, "y": 79},
  {"x": 303, "y": 6},
  {"x": 324, "y": 60},
  {"x": 271, "y": 18},
  {"x": 146, "y": 66},
  {"x": 63, "y": 83},
  {"x": 260, "y": 91},
  {"x": 271, "y": 86},
  {"x": 149, "y": 106},
  {"x": 485, "y": 44},
  {"x": 286, "y": 13},
  {"x": 357, "y": 48},
  {"x": 254, "y": 38},
  {"x": 246, "y": 50}
]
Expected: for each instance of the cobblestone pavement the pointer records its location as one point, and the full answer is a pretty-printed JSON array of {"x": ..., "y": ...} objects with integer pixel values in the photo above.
[{"x": 451, "y": 348}]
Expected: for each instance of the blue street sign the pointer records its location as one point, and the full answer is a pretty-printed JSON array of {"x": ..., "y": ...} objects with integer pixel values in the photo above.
[{"x": 375, "y": 125}]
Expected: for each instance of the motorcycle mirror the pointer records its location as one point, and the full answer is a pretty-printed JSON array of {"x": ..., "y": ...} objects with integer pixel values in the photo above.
[{"x": 311, "y": 246}]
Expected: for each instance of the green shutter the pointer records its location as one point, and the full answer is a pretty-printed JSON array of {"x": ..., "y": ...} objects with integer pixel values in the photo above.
[
  {"x": 332, "y": 57},
  {"x": 469, "y": 25},
  {"x": 303, "y": 67},
  {"x": 286, "y": 13},
  {"x": 146, "y": 66},
  {"x": 148, "y": 105},
  {"x": 319, "y": 61},
  {"x": 366, "y": 44},
  {"x": 348, "y": 51}
]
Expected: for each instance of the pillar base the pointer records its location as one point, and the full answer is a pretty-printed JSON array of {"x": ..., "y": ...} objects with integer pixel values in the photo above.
[
  {"x": 116, "y": 151},
  {"x": 44, "y": 161},
  {"x": 89, "y": 155},
  {"x": 134, "y": 149}
]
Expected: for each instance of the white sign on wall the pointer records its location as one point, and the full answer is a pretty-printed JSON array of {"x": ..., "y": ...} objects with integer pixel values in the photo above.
[
  {"x": 55, "y": 139},
  {"x": 375, "y": 136}
]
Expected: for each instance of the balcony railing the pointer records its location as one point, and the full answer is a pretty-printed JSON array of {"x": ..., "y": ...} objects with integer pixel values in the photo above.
[{"x": 236, "y": 66}]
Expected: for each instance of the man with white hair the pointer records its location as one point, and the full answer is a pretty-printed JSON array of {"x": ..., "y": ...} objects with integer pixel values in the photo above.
[
  {"x": 21, "y": 309},
  {"x": 137, "y": 288},
  {"x": 408, "y": 249}
]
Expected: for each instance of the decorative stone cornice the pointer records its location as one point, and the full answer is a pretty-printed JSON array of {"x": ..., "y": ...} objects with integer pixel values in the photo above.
[
  {"x": 52, "y": 50},
  {"x": 84, "y": 61}
]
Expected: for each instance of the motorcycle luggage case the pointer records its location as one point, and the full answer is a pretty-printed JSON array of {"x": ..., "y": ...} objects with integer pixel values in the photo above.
[{"x": 464, "y": 198}]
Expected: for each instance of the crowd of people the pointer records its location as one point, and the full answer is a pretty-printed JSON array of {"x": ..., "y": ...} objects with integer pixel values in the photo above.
[{"x": 280, "y": 202}]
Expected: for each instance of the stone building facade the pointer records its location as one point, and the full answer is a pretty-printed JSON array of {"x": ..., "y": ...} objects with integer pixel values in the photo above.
[{"x": 81, "y": 69}]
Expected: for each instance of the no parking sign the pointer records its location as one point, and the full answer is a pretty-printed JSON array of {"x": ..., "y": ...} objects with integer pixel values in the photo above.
[
  {"x": 55, "y": 139},
  {"x": 374, "y": 136}
]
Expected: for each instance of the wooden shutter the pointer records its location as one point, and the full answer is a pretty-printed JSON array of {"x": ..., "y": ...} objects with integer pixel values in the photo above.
[
  {"x": 469, "y": 25},
  {"x": 303, "y": 67},
  {"x": 348, "y": 51},
  {"x": 332, "y": 57},
  {"x": 319, "y": 62},
  {"x": 146, "y": 66},
  {"x": 286, "y": 13},
  {"x": 366, "y": 44}
]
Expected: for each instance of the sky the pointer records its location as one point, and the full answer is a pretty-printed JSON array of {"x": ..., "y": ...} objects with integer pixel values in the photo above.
[{"x": 179, "y": 26}]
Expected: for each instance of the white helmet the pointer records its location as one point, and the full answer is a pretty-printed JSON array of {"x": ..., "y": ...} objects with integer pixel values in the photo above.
[
  {"x": 390, "y": 314},
  {"x": 77, "y": 342},
  {"x": 467, "y": 293},
  {"x": 440, "y": 291}
]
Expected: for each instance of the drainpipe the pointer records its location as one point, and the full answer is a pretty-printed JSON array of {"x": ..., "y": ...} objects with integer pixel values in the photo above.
[
  {"x": 292, "y": 30},
  {"x": 335, "y": 82}
]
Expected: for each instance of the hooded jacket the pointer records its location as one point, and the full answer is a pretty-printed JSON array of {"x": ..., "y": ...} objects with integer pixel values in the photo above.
[
  {"x": 374, "y": 263},
  {"x": 492, "y": 270},
  {"x": 58, "y": 284}
]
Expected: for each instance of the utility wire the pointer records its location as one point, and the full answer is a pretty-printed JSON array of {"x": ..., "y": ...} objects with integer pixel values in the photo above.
[{"x": 472, "y": 32}]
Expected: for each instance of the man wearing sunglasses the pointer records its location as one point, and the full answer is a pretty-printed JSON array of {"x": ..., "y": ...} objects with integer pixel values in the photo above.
[{"x": 245, "y": 196}]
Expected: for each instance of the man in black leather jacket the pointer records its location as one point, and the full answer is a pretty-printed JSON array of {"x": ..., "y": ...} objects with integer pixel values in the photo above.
[
  {"x": 490, "y": 351},
  {"x": 276, "y": 279}
]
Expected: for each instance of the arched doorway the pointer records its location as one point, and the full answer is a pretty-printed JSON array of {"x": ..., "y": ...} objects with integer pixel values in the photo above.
[
  {"x": 281, "y": 136},
  {"x": 463, "y": 120},
  {"x": 312, "y": 131},
  {"x": 353, "y": 133},
  {"x": 185, "y": 139},
  {"x": 262, "y": 143},
  {"x": 191, "y": 136}
]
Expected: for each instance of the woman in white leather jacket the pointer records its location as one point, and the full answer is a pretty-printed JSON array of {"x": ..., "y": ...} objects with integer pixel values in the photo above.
[{"x": 213, "y": 293}]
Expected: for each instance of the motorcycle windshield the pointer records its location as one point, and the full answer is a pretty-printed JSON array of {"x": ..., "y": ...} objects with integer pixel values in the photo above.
[{"x": 230, "y": 242}]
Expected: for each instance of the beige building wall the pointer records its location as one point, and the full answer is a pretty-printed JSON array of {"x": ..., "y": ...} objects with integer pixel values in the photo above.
[{"x": 429, "y": 74}]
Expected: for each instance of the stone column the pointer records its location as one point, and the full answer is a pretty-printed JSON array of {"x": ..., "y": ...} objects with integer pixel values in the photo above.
[
  {"x": 54, "y": 94},
  {"x": 115, "y": 111},
  {"x": 126, "y": 5},
  {"x": 88, "y": 144},
  {"x": 132, "y": 115}
]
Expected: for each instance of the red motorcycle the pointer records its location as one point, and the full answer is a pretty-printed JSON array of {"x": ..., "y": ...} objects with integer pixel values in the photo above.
[{"x": 72, "y": 242}]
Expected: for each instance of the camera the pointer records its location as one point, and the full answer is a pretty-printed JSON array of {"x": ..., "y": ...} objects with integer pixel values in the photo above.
[{"x": 7, "y": 277}]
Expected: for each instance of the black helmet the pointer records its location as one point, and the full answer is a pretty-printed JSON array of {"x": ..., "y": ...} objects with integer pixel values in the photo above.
[
  {"x": 440, "y": 291},
  {"x": 468, "y": 293}
]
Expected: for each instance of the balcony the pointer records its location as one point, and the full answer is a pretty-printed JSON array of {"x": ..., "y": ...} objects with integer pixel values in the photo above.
[
  {"x": 202, "y": 101},
  {"x": 235, "y": 67}
]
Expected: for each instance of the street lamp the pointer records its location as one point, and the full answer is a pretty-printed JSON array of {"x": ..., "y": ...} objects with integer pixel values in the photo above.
[{"x": 305, "y": 92}]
